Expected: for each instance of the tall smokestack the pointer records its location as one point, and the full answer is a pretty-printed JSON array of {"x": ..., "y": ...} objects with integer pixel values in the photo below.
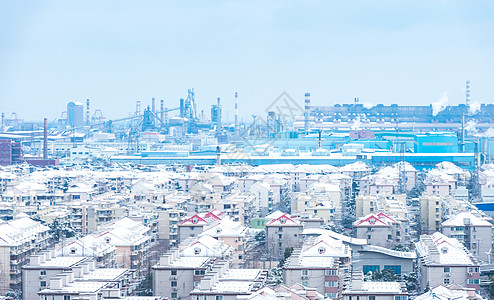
[
  {"x": 218, "y": 117},
  {"x": 182, "y": 108},
  {"x": 88, "y": 113},
  {"x": 45, "y": 139},
  {"x": 306, "y": 114},
  {"x": 3, "y": 123},
  {"x": 236, "y": 115},
  {"x": 153, "y": 105},
  {"x": 162, "y": 110},
  {"x": 467, "y": 102}
]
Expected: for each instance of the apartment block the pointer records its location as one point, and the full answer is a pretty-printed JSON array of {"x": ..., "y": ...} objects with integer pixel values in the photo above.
[{"x": 445, "y": 261}]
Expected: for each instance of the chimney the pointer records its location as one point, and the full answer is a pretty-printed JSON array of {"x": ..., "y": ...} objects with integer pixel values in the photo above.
[
  {"x": 306, "y": 114},
  {"x": 56, "y": 283},
  {"x": 34, "y": 260},
  {"x": 357, "y": 279},
  {"x": 182, "y": 108},
  {"x": 206, "y": 282},
  {"x": 218, "y": 117},
  {"x": 162, "y": 111},
  {"x": 467, "y": 96},
  {"x": 88, "y": 113},
  {"x": 165, "y": 260},
  {"x": 77, "y": 271},
  {"x": 236, "y": 115},
  {"x": 3, "y": 123},
  {"x": 153, "y": 105},
  {"x": 45, "y": 139}
]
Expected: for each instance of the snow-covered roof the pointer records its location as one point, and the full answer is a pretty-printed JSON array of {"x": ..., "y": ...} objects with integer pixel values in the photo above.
[
  {"x": 337, "y": 236},
  {"x": 466, "y": 219},
  {"x": 206, "y": 246},
  {"x": 438, "y": 249},
  {"x": 449, "y": 293}
]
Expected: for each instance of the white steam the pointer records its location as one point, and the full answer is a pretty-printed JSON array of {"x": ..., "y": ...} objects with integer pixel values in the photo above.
[
  {"x": 368, "y": 105},
  {"x": 474, "y": 107},
  {"x": 471, "y": 127},
  {"x": 439, "y": 106},
  {"x": 489, "y": 133}
]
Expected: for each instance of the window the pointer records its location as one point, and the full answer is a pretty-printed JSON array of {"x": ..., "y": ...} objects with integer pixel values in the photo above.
[
  {"x": 42, "y": 273},
  {"x": 66, "y": 297},
  {"x": 473, "y": 270},
  {"x": 396, "y": 269},
  {"x": 42, "y": 283},
  {"x": 446, "y": 280},
  {"x": 330, "y": 272},
  {"x": 447, "y": 269},
  {"x": 219, "y": 297},
  {"x": 333, "y": 295},
  {"x": 372, "y": 297},
  {"x": 473, "y": 281},
  {"x": 305, "y": 283},
  {"x": 305, "y": 272},
  {"x": 173, "y": 283},
  {"x": 330, "y": 283},
  {"x": 173, "y": 295},
  {"x": 173, "y": 272},
  {"x": 372, "y": 269}
]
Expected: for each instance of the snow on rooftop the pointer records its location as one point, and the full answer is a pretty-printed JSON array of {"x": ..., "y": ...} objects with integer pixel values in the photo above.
[
  {"x": 104, "y": 274},
  {"x": 440, "y": 249},
  {"x": 190, "y": 261},
  {"x": 381, "y": 287},
  {"x": 61, "y": 262},
  {"x": 466, "y": 218}
]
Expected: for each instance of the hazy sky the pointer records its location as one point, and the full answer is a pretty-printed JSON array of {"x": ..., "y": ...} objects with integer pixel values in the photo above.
[{"x": 118, "y": 52}]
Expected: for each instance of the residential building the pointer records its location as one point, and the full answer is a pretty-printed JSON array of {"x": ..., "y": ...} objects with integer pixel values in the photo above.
[
  {"x": 373, "y": 290},
  {"x": 321, "y": 263},
  {"x": 19, "y": 239},
  {"x": 282, "y": 231},
  {"x": 444, "y": 261},
  {"x": 473, "y": 231}
]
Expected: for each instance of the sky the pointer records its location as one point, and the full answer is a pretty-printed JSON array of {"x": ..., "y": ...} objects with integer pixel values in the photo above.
[{"x": 117, "y": 52}]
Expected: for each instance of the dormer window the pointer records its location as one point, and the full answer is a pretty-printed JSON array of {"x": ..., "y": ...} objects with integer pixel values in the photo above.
[
  {"x": 194, "y": 220},
  {"x": 321, "y": 250},
  {"x": 283, "y": 221},
  {"x": 218, "y": 231},
  {"x": 197, "y": 251},
  {"x": 372, "y": 221}
]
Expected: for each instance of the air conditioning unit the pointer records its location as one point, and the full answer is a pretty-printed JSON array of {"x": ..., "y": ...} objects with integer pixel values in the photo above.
[
  {"x": 174, "y": 289},
  {"x": 448, "y": 274},
  {"x": 470, "y": 274},
  {"x": 305, "y": 277},
  {"x": 173, "y": 278}
]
